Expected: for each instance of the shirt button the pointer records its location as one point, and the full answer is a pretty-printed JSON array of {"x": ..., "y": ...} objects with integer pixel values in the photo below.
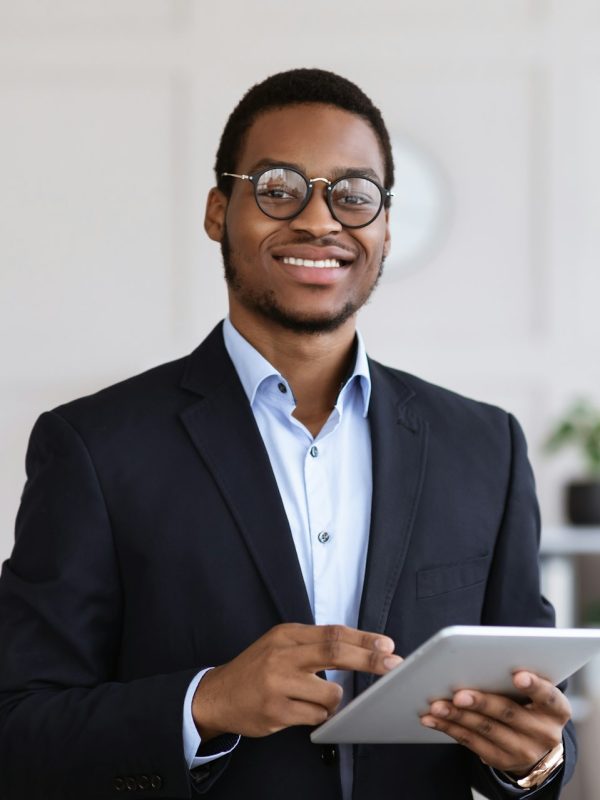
[
  {"x": 329, "y": 754},
  {"x": 282, "y": 388},
  {"x": 323, "y": 537},
  {"x": 314, "y": 451}
]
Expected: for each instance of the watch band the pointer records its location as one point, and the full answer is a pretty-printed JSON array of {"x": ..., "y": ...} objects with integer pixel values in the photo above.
[{"x": 543, "y": 769}]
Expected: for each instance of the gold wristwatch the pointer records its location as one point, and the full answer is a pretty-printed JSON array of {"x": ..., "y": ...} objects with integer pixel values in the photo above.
[{"x": 543, "y": 769}]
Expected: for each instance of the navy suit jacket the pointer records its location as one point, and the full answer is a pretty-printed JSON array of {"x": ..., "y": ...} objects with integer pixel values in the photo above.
[{"x": 152, "y": 541}]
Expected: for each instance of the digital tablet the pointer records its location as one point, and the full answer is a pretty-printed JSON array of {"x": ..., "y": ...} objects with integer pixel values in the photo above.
[{"x": 458, "y": 657}]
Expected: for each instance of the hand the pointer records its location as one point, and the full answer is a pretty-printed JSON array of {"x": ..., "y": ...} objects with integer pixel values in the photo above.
[
  {"x": 504, "y": 734},
  {"x": 273, "y": 683}
]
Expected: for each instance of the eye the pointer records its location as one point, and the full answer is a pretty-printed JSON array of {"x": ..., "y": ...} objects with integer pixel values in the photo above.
[
  {"x": 276, "y": 192},
  {"x": 280, "y": 185},
  {"x": 355, "y": 193},
  {"x": 347, "y": 199}
]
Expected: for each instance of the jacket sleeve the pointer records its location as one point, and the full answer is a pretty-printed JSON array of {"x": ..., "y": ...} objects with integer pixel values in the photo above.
[
  {"x": 68, "y": 729},
  {"x": 513, "y": 597}
]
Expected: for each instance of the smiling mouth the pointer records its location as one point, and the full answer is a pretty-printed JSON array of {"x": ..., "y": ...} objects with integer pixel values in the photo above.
[{"x": 325, "y": 263}]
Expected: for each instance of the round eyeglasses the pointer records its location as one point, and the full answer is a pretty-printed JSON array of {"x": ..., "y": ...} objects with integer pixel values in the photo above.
[{"x": 284, "y": 192}]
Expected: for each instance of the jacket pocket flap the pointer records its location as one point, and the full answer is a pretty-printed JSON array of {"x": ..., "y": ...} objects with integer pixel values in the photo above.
[{"x": 448, "y": 577}]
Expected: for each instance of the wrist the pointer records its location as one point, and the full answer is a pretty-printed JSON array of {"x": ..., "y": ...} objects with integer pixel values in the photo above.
[
  {"x": 542, "y": 770},
  {"x": 204, "y": 707}
]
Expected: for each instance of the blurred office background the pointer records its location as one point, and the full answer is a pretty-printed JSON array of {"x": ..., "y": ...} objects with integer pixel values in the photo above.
[{"x": 110, "y": 113}]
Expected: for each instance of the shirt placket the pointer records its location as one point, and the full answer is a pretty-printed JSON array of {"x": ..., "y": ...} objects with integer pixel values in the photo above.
[{"x": 321, "y": 530}]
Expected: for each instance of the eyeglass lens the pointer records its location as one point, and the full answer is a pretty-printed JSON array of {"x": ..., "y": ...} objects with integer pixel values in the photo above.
[{"x": 281, "y": 194}]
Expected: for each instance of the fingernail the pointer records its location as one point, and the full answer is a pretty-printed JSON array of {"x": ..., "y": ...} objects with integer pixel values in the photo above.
[
  {"x": 440, "y": 711},
  {"x": 428, "y": 722},
  {"x": 385, "y": 645},
  {"x": 524, "y": 680},
  {"x": 465, "y": 700},
  {"x": 391, "y": 661}
]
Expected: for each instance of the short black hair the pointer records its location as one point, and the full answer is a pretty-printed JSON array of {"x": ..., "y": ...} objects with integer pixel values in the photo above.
[{"x": 297, "y": 87}]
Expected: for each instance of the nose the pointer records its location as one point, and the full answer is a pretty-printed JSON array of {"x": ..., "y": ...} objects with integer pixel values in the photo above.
[{"x": 316, "y": 217}]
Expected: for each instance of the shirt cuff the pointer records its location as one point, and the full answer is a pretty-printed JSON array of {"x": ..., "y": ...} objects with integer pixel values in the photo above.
[
  {"x": 191, "y": 737},
  {"x": 509, "y": 788},
  {"x": 516, "y": 791}
]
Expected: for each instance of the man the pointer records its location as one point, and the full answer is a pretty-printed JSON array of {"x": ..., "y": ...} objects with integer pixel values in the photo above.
[{"x": 272, "y": 507}]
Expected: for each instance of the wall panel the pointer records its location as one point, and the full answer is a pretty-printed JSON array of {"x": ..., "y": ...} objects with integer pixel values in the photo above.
[
  {"x": 91, "y": 16},
  {"x": 587, "y": 270},
  {"x": 482, "y": 282},
  {"x": 90, "y": 263}
]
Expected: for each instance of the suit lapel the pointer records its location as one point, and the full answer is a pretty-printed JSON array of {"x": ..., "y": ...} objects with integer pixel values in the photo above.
[
  {"x": 222, "y": 427},
  {"x": 399, "y": 447}
]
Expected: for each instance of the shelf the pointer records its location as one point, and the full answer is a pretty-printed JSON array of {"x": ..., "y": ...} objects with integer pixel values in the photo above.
[{"x": 570, "y": 541}]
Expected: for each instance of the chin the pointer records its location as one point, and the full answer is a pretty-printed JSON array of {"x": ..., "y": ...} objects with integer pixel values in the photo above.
[{"x": 303, "y": 322}]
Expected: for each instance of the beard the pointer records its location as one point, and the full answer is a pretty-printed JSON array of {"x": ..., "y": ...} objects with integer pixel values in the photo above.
[{"x": 267, "y": 305}]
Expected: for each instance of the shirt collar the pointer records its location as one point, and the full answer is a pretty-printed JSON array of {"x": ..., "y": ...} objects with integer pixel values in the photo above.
[{"x": 252, "y": 368}]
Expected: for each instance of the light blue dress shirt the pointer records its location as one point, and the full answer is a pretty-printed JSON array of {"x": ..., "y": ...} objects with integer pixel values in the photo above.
[{"x": 325, "y": 483}]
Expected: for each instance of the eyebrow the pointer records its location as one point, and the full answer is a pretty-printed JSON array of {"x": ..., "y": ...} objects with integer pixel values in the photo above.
[{"x": 336, "y": 172}]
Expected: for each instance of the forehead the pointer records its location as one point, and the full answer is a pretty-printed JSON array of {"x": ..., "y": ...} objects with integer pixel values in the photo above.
[{"x": 319, "y": 139}]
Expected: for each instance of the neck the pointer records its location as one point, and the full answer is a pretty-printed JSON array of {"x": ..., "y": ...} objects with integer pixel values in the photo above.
[{"x": 314, "y": 365}]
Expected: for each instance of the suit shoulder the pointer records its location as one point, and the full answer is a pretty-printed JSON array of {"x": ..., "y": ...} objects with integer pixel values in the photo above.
[
  {"x": 139, "y": 395},
  {"x": 436, "y": 403}
]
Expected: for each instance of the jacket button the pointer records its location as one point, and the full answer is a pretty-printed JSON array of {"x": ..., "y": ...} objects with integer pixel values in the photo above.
[
  {"x": 156, "y": 782},
  {"x": 329, "y": 754},
  {"x": 118, "y": 784},
  {"x": 131, "y": 784},
  {"x": 143, "y": 782}
]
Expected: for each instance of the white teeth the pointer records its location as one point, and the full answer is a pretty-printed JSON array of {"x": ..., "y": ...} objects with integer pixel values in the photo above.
[{"x": 307, "y": 262}]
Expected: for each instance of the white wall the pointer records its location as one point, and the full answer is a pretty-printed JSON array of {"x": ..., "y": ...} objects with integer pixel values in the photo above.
[
  {"x": 110, "y": 116},
  {"x": 110, "y": 112}
]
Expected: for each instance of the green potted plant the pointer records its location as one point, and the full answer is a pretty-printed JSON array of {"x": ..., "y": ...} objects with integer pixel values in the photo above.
[{"x": 580, "y": 428}]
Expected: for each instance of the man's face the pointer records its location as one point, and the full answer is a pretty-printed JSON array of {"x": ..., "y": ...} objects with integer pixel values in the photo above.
[{"x": 320, "y": 141}]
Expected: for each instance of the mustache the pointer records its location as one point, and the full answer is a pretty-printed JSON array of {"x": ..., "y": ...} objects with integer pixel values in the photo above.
[{"x": 322, "y": 241}]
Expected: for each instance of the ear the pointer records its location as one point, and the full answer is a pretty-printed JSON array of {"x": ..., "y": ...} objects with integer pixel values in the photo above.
[
  {"x": 214, "y": 216},
  {"x": 387, "y": 242}
]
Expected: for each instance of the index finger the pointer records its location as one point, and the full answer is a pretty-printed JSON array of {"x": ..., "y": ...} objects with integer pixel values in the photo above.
[
  {"x": 297, "y": 633},
  {"x": 337, "y": 654}
]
